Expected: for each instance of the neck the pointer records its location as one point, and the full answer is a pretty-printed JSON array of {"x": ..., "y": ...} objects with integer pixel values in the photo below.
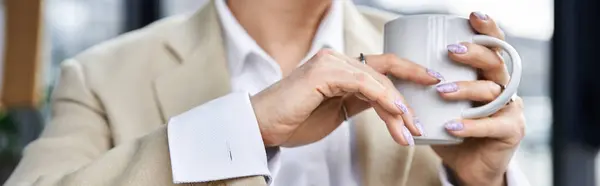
[{"x": 283, "y": 28}]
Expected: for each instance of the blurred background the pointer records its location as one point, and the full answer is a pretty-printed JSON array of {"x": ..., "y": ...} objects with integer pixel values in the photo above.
[{"x": 66, "y": 27}]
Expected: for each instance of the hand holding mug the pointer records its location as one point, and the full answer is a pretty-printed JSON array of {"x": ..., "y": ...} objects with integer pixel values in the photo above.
[
  {"x": 489, "y": 133},
  {"x": 451, "y": 45},
  {"x": 483, "y": 157}
]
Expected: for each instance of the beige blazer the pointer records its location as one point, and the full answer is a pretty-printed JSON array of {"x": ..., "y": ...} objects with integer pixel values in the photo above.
[{"x": 113, "y": 100}]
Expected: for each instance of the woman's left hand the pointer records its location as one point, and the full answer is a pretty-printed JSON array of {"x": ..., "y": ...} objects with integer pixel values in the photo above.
[{"x": 489, "y": 144}]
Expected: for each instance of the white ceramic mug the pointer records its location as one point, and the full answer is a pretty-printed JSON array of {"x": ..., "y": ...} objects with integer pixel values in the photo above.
[{"x": 423, "y": 39}]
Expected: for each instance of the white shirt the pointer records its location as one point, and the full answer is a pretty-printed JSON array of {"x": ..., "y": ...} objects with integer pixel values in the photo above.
[{"x": 221, "y": 140}]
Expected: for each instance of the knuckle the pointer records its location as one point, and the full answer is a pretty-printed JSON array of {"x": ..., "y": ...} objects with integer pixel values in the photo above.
[
  {"x": 390, "y": 58},
  {"x": 321, "y": 57},
  {"x": 488, "y": 96},
  {"x": 497, "y": 62},
  {"x": 360, "y": 77},
  {"x": 377, "y": 94},
  {"x": 493, "y": 90},
  {"x": 519, "y": 102},
  {"x": 382, "y": 95},
  {"x": 360, "y": 80},
  {"x": 324, "y": 52}
]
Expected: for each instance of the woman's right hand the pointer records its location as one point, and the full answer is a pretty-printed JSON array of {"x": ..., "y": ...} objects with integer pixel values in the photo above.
[{"x": 307, "y": 105}]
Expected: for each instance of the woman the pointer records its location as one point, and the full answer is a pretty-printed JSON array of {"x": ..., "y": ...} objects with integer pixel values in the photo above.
[{"x": 239, "y": 79}]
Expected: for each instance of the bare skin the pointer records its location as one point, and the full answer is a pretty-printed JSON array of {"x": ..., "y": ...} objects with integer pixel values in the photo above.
[{"x": 284, "y": 29}]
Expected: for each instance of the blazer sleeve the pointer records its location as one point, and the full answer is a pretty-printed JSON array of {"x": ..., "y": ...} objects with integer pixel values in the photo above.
[{"x": 75, "y": 147}]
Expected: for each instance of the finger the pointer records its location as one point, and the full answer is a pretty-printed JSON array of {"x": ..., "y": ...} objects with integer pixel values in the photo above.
[
  {"x": 485, "y": 127},
  {"x": 355, "y": 105},
  {"x": 395, "y": 126},
  {"x": 417, "y": 124},
  {"x": 508, "y": 123},
  {"x": 341, "y": 78},
  {"x": 346, "y": 79},
  {"x": 484, "y": 24},
  {"x": 403, "y": 69},
  {"x": 481, "y": 91},
  {"x": 407, "y": 116},
  {"x": 400, "y": 68},
  {"x": 412, "y": 124},
  {"x": 491, "y": 64},
  {"x": 399, "y": 101},
  {"x": 475, "y": 55}
]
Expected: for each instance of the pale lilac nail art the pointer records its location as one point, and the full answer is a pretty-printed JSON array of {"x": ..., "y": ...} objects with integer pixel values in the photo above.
[
  {"x": 454, "y": 125},
  {"x": 435, "y": 74},
  {"x": 419, "y": 126},
  {"x": 407, "y": 136},
  {"x": 447, "y": 88},
  {"x": 457, "y": 48},
  {"x": 480, "y": 15},
  {"x": 401, "y": 106}
]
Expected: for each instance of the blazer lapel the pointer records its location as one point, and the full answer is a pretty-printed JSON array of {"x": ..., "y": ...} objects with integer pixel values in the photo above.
[
  {"x": 200, "y": 74},
  {"x": 381, "y": 160}
]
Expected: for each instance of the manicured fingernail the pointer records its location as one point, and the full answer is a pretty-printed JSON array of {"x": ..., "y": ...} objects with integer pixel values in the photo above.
[
  {"x": 435, "y": 74},
  {"x": 454, "y": 125},
  {"x": 457, "y": 48},
  {"x": 480, "y": 15},
  {"x": 407, "y": 136},
  {"x": 447, "y": 88},
  {"x": 401, "y": 106},
  {"x": 419, "y": 126}
]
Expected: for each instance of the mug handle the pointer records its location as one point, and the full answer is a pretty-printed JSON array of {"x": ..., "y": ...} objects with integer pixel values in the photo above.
[{"x": 511, "y": 87}]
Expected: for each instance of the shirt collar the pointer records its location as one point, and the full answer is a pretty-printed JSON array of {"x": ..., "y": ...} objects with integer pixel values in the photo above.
[{"x": 240, "y": 44}]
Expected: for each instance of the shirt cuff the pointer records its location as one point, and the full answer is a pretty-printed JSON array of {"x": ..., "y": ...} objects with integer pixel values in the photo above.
[
  {"x": 514, "y": 176},
  {"x": 218, "y": 140}
]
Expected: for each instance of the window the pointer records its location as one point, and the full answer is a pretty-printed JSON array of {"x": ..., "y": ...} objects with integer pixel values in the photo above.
[
  {"x": 73, "y": 26},
  {"x": 181, "y": 6}
]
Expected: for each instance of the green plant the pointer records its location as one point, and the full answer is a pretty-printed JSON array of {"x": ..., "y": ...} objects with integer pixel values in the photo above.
[{"x": 9, "y": 141}]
